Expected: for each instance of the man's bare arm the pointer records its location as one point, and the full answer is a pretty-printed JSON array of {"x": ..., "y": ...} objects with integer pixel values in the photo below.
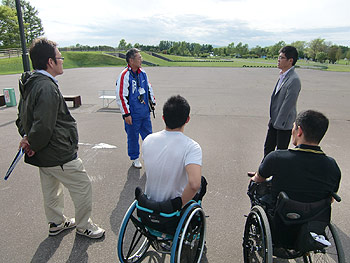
[
  {"x": 194, "y": 172},
  {"x": 258, "y": 179}
]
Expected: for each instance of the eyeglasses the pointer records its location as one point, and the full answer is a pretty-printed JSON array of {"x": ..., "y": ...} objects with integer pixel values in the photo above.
[
  {"x": 280, "y": 57},
  {"x": 62, "y": 58}
]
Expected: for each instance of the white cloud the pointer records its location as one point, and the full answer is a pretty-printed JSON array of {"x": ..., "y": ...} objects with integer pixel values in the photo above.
[{"x": 217, "y": 22}]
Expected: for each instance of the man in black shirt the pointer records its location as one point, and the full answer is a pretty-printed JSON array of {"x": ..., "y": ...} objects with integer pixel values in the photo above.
[{"x": 305, "y": 173}]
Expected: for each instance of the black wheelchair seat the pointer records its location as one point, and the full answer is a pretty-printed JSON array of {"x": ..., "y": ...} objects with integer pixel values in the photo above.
[
  {"x": 166, "y": 207},
  {"x": 293, "y": 212},
  {"x": 293, "y": 222},
  {"x": 161, "y": 216}
]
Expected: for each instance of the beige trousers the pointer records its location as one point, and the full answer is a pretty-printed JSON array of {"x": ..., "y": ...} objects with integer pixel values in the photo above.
[{"x": 73, "y": 176}]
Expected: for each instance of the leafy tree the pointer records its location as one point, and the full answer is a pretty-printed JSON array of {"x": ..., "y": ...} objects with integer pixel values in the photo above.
[
  {"x": 315, "y": 46},
  {"x": 165, "y": 45},
  {"x": 275, "y": 49},
  {"x": 231, "y": 49},
  {"x": 332, "y": 54},
  {"x": 183, "y": 49},
  {"x": 344, "y": 50},
  {"x": 348, "y": 54},
  {"x": 196, "y": 49},
  {"x": 321, "y": 56},
  {"x": 122, "y": 44},
  {"x": 301, "y": 47},
  {"x": 207, "y": 48},
  {"x": 9, "y": 36},
  {"x": 258, "y": 51},
  {"x": 32, "y": 23},
  {"x": 339, "y": 55},
  {"x": 220, "y": 51},
  {"x": 242, "y": 49},
  {"x": 128, "y": 46}
]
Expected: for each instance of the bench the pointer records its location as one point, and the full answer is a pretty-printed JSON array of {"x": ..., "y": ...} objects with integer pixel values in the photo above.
[
  {"x": 75, "y": 98},
  {"x": 2, "y": 100},
  {"x": 107, "y": 95}
]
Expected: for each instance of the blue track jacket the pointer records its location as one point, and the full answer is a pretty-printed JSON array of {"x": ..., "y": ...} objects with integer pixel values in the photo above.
[{"x": 130, "y": 86}]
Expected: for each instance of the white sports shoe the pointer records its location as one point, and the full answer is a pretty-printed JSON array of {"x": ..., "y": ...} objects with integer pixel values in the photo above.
[
  {"x": 137, "y": 164},
  {"x": 56, "y": 229},
  {"x": 94, "y": 231}
]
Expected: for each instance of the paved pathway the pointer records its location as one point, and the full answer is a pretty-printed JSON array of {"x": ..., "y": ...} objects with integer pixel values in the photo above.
[{"x": 229, "y": 109}]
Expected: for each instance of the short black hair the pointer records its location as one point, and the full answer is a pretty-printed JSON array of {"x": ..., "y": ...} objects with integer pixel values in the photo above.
[
  {"x": 131, "y": 53},
  {"x": 314, "y": 125},
  {"x": 40, "y": 51},
  {"x": 290, "y": 52},
  {"x": 176, "y": 111}
]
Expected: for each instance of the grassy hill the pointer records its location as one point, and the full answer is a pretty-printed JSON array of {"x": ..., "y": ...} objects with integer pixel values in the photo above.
[
  {"x": 99, "y": 59},
  {"x": 71, "y": 60},
  {"x": 90, "y": 59}
]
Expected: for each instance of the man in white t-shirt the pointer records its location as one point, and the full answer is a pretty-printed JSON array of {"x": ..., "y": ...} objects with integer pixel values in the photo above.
[{"x": 172, "y": 160}]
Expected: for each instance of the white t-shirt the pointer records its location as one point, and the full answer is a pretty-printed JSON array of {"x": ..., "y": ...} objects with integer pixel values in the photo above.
[{"x": 165, "y": 155}]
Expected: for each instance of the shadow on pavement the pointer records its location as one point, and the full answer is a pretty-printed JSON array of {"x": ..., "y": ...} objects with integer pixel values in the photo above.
[
  {"x": 48, "y": 247},
  {"x": 154, "y": 257},
  {"x": 126, "y": 197},
  {"x": 79, "y": 251},
  {"x": 345, "y": 242}
]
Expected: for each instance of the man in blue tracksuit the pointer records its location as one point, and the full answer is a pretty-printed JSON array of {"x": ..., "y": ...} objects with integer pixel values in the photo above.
[{"x": 135, "y": 98}]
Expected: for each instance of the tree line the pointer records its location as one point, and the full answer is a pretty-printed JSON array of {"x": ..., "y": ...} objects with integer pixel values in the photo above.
[{"x": 317, "y": 50}]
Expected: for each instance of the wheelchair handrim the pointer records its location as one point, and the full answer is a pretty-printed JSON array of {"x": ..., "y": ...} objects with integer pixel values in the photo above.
[
  {"x": 145, "y": 244},
  {"x": 179, "y": 228}
]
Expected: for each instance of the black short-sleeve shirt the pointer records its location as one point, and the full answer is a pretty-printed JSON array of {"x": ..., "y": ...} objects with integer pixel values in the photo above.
[{"x": 305, "y": 173}]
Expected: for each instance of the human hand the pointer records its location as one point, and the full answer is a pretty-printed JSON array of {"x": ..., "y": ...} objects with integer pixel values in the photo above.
[
  {"x": 128, "y": 120},
  {"x": 24, "y": 144},
  {"x": 252, "y": 186}
]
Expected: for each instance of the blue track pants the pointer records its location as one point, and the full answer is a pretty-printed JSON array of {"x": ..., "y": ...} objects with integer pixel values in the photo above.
[{"x": 141, "y": 127}]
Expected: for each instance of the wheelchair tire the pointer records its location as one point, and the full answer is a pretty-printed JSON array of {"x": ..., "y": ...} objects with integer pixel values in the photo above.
[
  {"x": 257, "y": 239},
  {"x": 132, "y": 244},
  {"x": 189, "y": 238},
  {"x": 334, "y": 253}
]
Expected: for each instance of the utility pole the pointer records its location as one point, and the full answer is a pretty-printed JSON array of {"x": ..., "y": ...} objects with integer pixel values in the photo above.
[{"x": 25, "y": 58}]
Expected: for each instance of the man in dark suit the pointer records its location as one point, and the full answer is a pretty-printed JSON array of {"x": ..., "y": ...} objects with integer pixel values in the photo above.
[{"x": 283, "y": 102}]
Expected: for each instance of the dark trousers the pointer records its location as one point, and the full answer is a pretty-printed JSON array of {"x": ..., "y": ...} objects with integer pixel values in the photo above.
[{"x": 276, "y": 139}]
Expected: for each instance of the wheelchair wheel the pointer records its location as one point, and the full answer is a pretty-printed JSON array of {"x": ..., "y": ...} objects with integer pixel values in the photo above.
[
  {"x": 334, "y": 253},
  {"x": 132, "y": 244},
  {"x": 257, "y": 239},
  {"x": 189, "y": 238}
]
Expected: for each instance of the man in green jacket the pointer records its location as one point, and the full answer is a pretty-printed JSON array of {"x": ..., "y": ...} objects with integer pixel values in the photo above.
[{"x": 50, "y": 142}]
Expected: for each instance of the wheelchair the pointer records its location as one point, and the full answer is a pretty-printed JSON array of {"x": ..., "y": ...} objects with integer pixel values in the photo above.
[
  {"x": 286, "y": 230},
  {"x": 164, "y": 226}
]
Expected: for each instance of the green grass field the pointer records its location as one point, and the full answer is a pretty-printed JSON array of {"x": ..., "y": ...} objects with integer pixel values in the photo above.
[{"x": 99, "y": 59}]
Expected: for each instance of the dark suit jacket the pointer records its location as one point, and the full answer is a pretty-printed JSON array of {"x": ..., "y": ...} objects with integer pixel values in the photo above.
[{"x": 283, "y": 104}]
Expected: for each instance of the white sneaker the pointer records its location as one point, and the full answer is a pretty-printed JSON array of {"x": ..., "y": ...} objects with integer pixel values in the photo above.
[
  {"x": 94, "y": 231},
  {"x": 56, "y": 229},
  {"x": 137, "y": 164}
]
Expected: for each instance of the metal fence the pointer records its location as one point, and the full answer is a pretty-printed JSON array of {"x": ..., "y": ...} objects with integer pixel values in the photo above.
[{"x": 11, "y": 52}]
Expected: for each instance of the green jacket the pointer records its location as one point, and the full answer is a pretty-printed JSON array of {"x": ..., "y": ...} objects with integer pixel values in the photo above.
[{"x": 44, "y": 117}]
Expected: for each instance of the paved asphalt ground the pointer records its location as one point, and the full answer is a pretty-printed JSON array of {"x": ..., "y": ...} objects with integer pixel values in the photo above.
[{"x": 229, "y": 118}]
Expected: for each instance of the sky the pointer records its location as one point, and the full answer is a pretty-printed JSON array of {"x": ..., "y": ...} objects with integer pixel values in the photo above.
[{"x": 215, "y": 22}]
